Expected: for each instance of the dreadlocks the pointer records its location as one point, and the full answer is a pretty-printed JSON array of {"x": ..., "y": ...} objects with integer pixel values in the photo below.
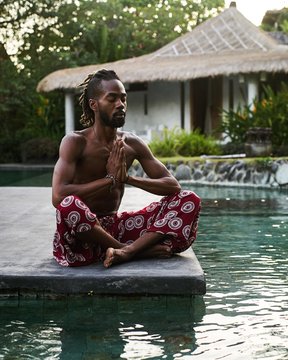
[{"x": 92, "y": 87}]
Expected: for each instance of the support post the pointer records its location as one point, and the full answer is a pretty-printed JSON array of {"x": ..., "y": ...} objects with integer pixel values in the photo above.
[
  {"x": 182, "y": 104},
  {"x": 252, "y": 90},
  {"x": 69, "y": 112}
]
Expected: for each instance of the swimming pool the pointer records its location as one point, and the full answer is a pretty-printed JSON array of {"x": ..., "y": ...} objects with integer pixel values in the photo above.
[
  {"x": 26, "y": 176},
  {"x": 242, "y": 247}
]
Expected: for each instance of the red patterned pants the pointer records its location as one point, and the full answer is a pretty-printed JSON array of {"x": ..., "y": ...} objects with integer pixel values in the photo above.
[{"x": 175, "y": 215}]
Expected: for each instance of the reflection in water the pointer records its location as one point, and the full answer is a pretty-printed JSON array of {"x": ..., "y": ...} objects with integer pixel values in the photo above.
[
  {"x": 242, "y": 247},
  {"x": 157, "y": 335},
  {"x": 100, "y": 328}
]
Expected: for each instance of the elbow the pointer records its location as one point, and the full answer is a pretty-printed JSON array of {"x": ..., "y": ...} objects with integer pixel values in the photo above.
[
  {"x": 174, "y": 188},
  {"x": 56, "y": 200},
  {"x": 178, "y": 188}
]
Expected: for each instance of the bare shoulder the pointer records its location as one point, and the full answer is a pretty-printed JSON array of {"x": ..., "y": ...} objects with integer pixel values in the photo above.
[
  {"x": 73, "y": 143},
  {"x": 135, "y": 142}
]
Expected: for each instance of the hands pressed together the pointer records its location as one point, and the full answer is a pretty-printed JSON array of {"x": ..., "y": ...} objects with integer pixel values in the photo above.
[{"x": 116, "y": 164}]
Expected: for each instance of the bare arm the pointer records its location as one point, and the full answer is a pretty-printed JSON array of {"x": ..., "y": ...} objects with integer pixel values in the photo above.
[
  {"x": 160, "y": 181},
  {"x": 70, "y": 151}
]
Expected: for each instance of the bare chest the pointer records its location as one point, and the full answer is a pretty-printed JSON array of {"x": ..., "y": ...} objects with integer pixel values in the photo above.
[{"x": 92, "y": 164}]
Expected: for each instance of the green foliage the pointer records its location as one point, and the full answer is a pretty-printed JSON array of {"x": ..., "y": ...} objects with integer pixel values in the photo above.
[
  {"x": 166, "y": 145},
  {"x": 196, "y": 144},
  {"x": 39, "y": 150},
  {"x": 271, "y": 112},
  {"x": 9, "y": 150},
  {"x": 46, "y": 35},
  {"x": 263, "y": 163},
  {"x": 235, "y": 124},
  {"x": 65, "y": 33},
  {"x": 179, "y": 142},
  {"x": 276, "y": 20}
]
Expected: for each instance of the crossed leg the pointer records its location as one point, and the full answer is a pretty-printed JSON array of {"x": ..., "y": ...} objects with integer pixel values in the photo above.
[
  {"x": 98, "y": 236},
  {"x": 145, "y": 246}
]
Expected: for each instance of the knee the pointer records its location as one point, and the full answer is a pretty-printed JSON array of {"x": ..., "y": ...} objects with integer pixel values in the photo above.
[
  {"x": 190, "y": 196},
  {"x": 70, "y": 203},
  {"x": 195, "y": 199}
]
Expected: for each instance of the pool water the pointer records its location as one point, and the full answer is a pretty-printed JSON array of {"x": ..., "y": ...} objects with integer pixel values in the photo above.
[
  {"x": 242, "y": 247},
  {"x": 39, "y": 176}
]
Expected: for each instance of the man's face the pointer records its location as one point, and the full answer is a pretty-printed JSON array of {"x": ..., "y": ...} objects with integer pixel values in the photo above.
[{"x": 112, "y": 104}]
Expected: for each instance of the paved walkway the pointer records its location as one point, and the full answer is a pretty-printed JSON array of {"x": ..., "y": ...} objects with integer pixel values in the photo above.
[{"x": 27, "y": 223}]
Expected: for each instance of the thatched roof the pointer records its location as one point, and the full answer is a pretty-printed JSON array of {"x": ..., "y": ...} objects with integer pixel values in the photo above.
[{"x": 223, "y": 45}]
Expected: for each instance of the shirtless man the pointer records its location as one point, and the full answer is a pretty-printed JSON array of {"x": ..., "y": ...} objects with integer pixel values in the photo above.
[{"x": 89, "y": 180}]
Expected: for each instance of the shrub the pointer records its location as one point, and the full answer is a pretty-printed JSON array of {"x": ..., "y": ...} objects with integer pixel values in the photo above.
[
  {"x": 196, "y": 144},
  {"x": 271, "y": 111},
  {"x": 9, "y": 150},
  {"x": 39, "y": 150},
  {"x": 164, "y": 145},
  {"x": 179, "y": 142}
]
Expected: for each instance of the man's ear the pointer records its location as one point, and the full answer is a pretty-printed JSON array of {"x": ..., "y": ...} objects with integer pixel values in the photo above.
[{"x": 93, "y": 104}]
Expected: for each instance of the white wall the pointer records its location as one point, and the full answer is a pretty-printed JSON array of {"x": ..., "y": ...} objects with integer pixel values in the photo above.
[
  {"x": 239, "y": 91},
  {"x": 163, "y": 107}
]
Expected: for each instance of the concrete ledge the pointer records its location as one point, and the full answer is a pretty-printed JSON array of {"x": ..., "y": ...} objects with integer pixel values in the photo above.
[
  {"x": 181, "y": 275},
  {"x": 27, "y": 225}
]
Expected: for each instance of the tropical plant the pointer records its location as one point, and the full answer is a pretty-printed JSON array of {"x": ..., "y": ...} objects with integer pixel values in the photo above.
[
  {"x": 269, "y": 112},
  {"x": 46, "y": 35},
  {"x": 179, "y": 142},
  {"x": 164, "y": 145}
]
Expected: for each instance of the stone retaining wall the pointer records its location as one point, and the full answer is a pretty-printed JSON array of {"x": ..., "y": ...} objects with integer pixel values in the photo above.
[{"x": 262, "y": 173}]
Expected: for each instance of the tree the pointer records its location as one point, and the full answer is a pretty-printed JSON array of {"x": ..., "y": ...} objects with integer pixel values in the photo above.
[
  {"x": 275, "y": 20},
  {"x": 46, "y": 35},
  {"x": 73, "y": 33}
]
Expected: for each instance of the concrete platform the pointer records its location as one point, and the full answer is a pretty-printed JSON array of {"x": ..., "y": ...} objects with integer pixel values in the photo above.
[{"x": 27, "y": 222}]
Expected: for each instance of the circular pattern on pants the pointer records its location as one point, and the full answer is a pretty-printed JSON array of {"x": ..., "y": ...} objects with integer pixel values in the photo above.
[
  {"x": 175, "y": 223},
  {"x": 173, "y": 204},
  {"x": 150, "y": 221},
  {"x": 58, "y": 217},
  {"x": 161, "y": 222},
  {"x": 80, "y": 204},
  {"x": 184, "y": 193},
  {"x": 73, "y": 217},
  {"x": 151, "y": 207},
  {"x": 186, "y": 231},
  {"x": 129, "y": 224},
  {"x": 142, "y": 232},
  {"x": 89, "y": 215},
  {"x": 70, "y": 239},
  {"x": 56, "y": 237},
  {"x": 171, "y": 214},
  {"x": 188, "y": 207},
  {"x": 139, "y": 221},
  {"x": 83, "y": 227},
  {"x": 68, "y": 200},
  {"x": 121, "y": 231}
]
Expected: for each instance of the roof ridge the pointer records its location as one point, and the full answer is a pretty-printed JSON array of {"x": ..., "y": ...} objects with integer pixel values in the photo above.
[{"x": 228, "y": 31}]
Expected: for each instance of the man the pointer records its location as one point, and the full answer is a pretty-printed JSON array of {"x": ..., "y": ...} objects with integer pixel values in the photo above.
[{"x": 88, "y": 185}]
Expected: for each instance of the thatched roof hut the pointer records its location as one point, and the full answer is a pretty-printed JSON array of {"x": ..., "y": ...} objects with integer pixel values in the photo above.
[{"x": 224, "y": 45}]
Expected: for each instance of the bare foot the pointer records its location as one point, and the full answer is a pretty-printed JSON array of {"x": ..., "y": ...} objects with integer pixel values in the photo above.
[
  {"x": 157, "y": 251},
  {"x": 114, "y": 256}
]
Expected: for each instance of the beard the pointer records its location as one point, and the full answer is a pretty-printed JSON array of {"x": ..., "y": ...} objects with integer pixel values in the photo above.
[{"x": 116, "y": 121}]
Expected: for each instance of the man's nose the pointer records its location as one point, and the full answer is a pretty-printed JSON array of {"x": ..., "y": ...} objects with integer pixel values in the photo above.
[{"x": 120, "y": 104}]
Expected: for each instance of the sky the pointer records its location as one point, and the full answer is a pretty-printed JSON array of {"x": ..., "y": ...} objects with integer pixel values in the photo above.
[{"x": 254, "y": 10}]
